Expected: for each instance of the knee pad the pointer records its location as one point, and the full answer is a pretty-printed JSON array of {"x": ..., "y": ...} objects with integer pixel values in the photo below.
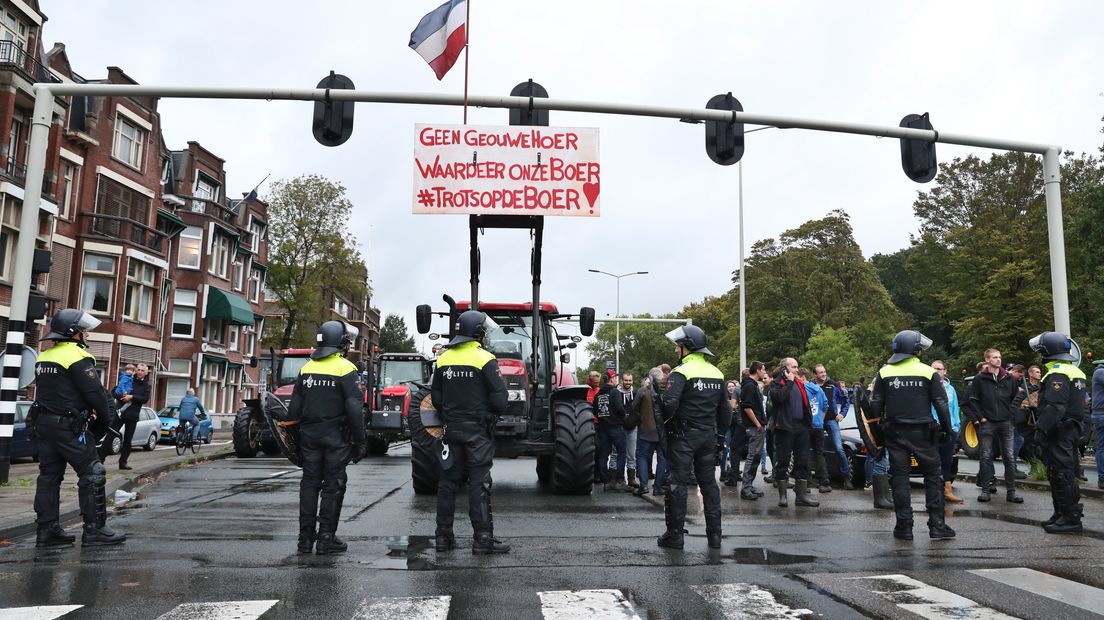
[
  {"x": 97, "y": 476},
  {"x": 334, "y": 485}
]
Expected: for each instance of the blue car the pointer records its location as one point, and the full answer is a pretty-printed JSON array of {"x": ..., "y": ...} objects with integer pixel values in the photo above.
[
  {"x": 170, "y": 421},
  {"x": 21, "y": 445}
]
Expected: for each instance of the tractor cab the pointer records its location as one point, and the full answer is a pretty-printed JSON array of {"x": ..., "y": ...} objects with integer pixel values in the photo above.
[{"x": 399, "y": 376}]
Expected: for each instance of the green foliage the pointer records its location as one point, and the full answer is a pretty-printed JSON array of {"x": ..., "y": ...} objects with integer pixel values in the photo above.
[
  {"x": 643, "y": 347},
  {"x": 310, "y": 253},
  {"x": 835, "y": 349},
  {"x": 395, "y": 337}
]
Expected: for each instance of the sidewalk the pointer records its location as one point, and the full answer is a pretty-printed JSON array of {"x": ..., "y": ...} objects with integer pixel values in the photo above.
[
  {"x": 968, "y": 468},
  {"x": 17, "y": 497}
]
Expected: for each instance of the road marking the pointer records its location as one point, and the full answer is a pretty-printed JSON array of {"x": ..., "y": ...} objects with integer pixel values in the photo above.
[
  {"x": 743, "y": 601},
  {"x": 1049, "y": 586},
  {"x": 37, "y": 613},
  {"x": 394, "y": 608},
  {"x": 281, "y": 473},
  {"x": 928, "y": 601},
  {"x": 586, "y": 605},
  {"x": 224, "y": 610}
]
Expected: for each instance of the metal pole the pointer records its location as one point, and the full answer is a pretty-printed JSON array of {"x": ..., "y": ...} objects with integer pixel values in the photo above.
[
  {"x": 743, "y": 324},
  {"x": 1052, "y": 179},
  {"x": 21, "y": 276},
  {"x": 617, "y": 337}
]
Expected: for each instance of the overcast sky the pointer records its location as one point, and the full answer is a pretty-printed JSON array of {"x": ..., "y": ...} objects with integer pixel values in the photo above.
[{"x": 1023, "y": 70}]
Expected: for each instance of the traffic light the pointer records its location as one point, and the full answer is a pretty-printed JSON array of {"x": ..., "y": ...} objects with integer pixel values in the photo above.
[
  {"x": 918, "y": 156},
  {"x": 724, "y": 142},
  {"x": 333, "y": 120},
  {"x": 38, "y": 304},
  {"x": 529, "y": 116}
]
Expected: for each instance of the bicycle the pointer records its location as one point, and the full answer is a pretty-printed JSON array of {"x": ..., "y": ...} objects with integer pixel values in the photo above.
[{"x": 185, "y": 439}]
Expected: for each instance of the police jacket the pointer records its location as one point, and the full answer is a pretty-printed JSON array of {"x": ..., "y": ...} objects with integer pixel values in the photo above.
[
  {"x": 696, "y": 396},
  {"x": 991, "y": 397},
  {"x": 906, "y": 393},
  {"x": 467, "y": 386},
  {"x": 1062, "y": 398},
  {"x": 751, "y": 397},
  {"x": 780, "y": 393},
  {"x": 326, "y": 396},
  {"x": 67, "y": 384}
]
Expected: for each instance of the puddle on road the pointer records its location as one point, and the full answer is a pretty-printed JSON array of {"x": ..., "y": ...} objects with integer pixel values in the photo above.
[
  {"x": 769, "y": 557},
  {"x": 404, "y": 553}
]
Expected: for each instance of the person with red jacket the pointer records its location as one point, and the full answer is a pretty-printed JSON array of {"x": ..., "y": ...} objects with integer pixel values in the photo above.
[{"x": 792, "y": 422}]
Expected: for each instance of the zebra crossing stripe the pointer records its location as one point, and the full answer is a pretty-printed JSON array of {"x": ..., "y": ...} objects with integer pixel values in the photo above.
[
  {"x": 743, "y": 601},
  {"x": 394, "y": 608},
  {"x": 223, "y": 610},
  {"x": 1049, "y": 586},
  {"x": 37, "y": 613},
  {"x": 586, "y": 605},
  {"x": 929, "y": 602}
]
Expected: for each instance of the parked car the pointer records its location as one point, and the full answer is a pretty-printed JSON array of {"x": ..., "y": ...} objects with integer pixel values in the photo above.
[
  {"x": 146, "y": 432},
  {"x": 170, "y": 421},
  {"x": 21, "y": 446},
  {"x": 853, "y": 447}
]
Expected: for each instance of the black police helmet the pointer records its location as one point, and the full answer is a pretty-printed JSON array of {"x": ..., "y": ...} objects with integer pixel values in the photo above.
[
  {"x": 67, "y": 323},
  {"x": 333, "y": 337},
  {"x": 690, "y": 336},
  {"x": 1055, "y": 346},
  {"x": 472, "y": 325},
  {"x": 908, "y": 343}
]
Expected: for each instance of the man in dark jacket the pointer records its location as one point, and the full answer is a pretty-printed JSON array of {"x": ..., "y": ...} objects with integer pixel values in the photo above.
[
  {"x": 755, "y": 426},
  {"x": 837, "y": 411},
  {"x": 621, "y": 400},
  {"x": 128, "y": 420},
  {"x": 793, "y": 420},
  {"x": 611, "y": 435},
  {"x": 991, "y": 395}
]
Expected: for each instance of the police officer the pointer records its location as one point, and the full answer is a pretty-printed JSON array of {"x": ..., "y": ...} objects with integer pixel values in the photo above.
[
  {"x": 697, "y": 414},
  {"x": 69, "y": 396},
  {"x": 329, "y": 405},
  {"x": 1059, "y": 423},
  {"x": 470, "y": 394},
  {"x": 906, "y": 393}
]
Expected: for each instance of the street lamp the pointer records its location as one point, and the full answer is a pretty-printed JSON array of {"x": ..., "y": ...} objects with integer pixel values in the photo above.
[{"x": 617, "y": 337}]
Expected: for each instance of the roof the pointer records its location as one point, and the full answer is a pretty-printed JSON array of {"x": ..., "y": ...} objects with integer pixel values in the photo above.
[{"x": 525, "y": 307}]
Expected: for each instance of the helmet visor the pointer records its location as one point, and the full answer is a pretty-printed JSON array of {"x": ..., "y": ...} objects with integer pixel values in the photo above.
[
  {"x": 925, "y": 342},
  {"x": 351, "y": 333},
  {"x": 1036, "y": 343},
  {"x": 488, "y": 324},
  {"x": 87, "y": 322},
  {"x": 676, "y": 334}
]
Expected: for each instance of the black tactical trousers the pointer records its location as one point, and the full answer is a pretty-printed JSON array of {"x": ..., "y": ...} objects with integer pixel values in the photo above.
[
  {"x": 795, "y": 443},
  {"x": 60, "y": 443},
  {"x": 472, "y": 454},
  {"x": 325, "y": 455},
  {"x": 1061, "y": 457},
  {"x": 903, "y": 442},
  {"x": 816, "y": 456},
  {"x": 693, "y": 449}
]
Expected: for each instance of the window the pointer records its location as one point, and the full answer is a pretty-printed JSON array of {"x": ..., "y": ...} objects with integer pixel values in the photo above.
[
  {"x": 220, "y": 256},
  {"x": 9, "y": 234},
  {"x": 191, "y": 244},
  {"x": 141, "y": 287},
  {"x": 121, "y": 201},
  {"x": 205, "y": 189},
  {"x": 340, "y": 307},
  {"x": 180, "y": 366},
  {"x": 98, "y": 282},
  {"x": 232, "y": 342},
  {"x": 175, "y": 389},
  {"x": 239, "y": 272},
  {"x": 233, "y": 383},
  {"x": 214, "y": 331},
  {"x": 247, "y": 340},
  {"x": 256, "y": 233},
  {"x": 127, "y": 147},
  {"x": 211, "y": 377},
  {"x": 70, "y": 187},
  {"x": 184, "y": 314},
  {"x": 255, "y": 285},
  {"x": 14, "y": 143}
]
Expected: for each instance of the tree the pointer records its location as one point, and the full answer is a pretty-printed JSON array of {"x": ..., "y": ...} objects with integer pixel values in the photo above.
[
  {"x": 837, "y": 352},
  {"x": 643, "y": 346},
  {"x": 394, "y": 336},
  {"x": 310, "y": 251}
]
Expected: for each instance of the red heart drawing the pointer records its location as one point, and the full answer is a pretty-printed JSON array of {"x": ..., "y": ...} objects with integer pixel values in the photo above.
[{"x": 590, "y": 190}]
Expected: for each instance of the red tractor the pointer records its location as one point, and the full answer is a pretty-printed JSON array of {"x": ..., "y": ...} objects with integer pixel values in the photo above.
[
  {"x": 251, "y": 430},
  {"x": 398, "y": 377}
]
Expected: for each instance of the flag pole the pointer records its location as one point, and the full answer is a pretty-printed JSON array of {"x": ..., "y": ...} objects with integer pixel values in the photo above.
[{"x": 467, "y": 54}]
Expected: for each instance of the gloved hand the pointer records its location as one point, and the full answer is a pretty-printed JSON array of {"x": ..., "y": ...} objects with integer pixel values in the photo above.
[{"x": 359, "y": 451}]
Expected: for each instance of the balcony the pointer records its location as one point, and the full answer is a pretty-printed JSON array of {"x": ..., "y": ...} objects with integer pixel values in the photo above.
[
  {"x": 12, "y": 55},
  {"x": 16, "y": 171},
  {"x": 117, "y": 228},
  {"x": 211, "y": 209}
]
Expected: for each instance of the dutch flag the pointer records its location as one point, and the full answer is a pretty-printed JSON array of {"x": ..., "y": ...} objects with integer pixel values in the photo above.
[{"x": 441, "y": 35}]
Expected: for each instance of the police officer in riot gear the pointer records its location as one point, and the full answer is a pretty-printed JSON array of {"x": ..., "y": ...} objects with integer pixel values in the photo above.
[
  {"x": 1059, "y": 423},
  {"x": 329, "y": 405},
  {"x": 70, "y": 397},
  {"x": 697, "y": 414},
  {"x": 470, "y": 394},
  {"x": 906, "y": 391}
]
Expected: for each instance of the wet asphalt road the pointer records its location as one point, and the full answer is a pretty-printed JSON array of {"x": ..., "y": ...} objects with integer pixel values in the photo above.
[{"x": 225, "y": 531}]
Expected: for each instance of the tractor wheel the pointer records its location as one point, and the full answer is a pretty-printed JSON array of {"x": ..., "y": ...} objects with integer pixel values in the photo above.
[
  {"x": 573, "y": 456},
  {"x": 969, "y": 439},
  {"x": 425, "y": 471},
  {"x": 377, "y": 446},
  {"x": 246, "y": 434},
  {"x": 544, "y": 468}
]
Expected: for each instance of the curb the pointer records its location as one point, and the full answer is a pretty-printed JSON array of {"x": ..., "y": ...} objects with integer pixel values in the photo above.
[
  {"x": 131, "y": 483},
  {"x": 1036, "y": 485}
]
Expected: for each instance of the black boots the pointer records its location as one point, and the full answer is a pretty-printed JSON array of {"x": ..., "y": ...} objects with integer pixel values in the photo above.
[
  {"x": 938, "y": 528},
  {"x": 307, "y": 537},
  {"x": 801, "y": 493},
  {"x": 53, "y": 535},
  {"x": 714, "y": 539},
  {"x": 672, "y": 539},
  {"x": 444, "y": 541},
  {"x": 329, "y": 543},
  {"x": 93, "y": 501},
  {"x": 98, "y": 534},
  {"x": 1012, "y": 497},
  {"x": 632, "y": 479},
  {"x": 883, "y": 497},
  {"x": 903, "y": 530},
  {"x": 485, "y": 543}
]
